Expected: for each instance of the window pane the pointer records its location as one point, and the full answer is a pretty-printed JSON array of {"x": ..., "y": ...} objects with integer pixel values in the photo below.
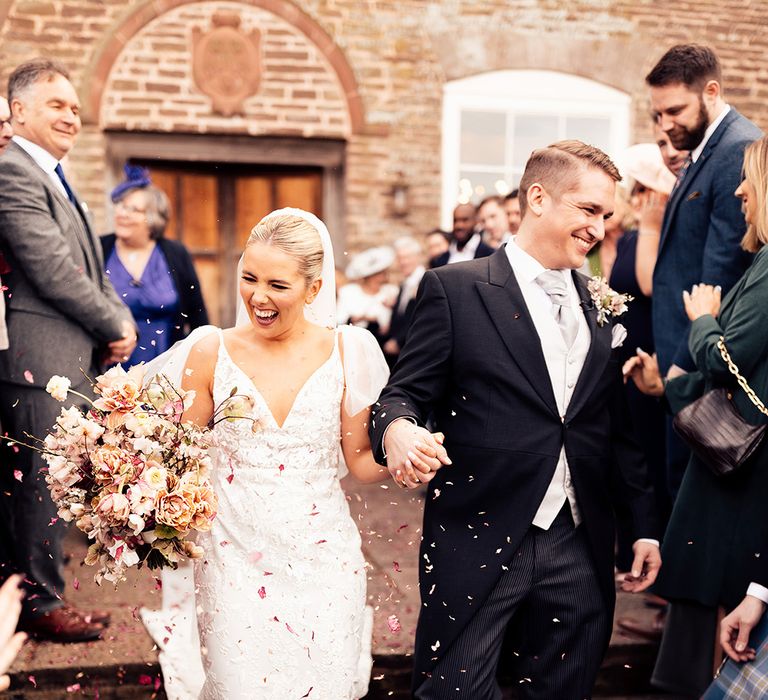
[
  {"x": 595, "y": 131},
  {"x": 473, "y": 186},
  {"x": 482, "y": 137},
  {"x": 532, "y": 131}
]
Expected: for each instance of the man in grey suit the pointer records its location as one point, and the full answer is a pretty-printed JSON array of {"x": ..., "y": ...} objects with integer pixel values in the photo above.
[
  {"x": 703, "y": 223},
  {"x": 63, "y": 317}
]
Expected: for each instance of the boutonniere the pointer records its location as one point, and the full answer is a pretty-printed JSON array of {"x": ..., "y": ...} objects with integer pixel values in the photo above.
[{"x": 607, "y": 301}]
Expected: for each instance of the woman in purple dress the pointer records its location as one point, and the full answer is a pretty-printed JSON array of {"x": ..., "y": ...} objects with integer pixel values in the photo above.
[{"x": 153, "y": 275}]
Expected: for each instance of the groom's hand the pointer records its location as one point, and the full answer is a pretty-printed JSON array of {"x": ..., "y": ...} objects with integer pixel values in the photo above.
[
  {"x": 645, "y": 567},
  {"x": 413, "y": 453}
]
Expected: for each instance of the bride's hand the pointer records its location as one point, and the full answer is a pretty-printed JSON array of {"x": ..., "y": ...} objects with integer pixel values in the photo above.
[{"x": 413, "y": 454}]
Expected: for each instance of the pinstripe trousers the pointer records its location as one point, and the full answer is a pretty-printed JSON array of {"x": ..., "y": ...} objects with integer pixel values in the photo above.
[{"x": 551, "y": 591}]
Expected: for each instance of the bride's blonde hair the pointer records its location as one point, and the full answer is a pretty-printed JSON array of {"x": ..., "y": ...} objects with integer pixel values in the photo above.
[{"x": 295, "y": 237}]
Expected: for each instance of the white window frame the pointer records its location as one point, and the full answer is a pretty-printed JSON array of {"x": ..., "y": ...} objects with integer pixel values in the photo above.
[{"x": 525, "y": 92}]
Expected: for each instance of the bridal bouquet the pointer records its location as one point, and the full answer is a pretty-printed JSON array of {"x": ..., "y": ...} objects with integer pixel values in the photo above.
[{"x": 130, "y": 473}]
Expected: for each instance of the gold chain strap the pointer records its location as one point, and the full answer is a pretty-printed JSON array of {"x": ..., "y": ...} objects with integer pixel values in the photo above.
[{"x": 759, "y": 405}]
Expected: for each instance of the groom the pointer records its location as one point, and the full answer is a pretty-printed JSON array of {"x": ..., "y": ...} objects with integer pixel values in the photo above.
[{"x": 523, "y": 380}]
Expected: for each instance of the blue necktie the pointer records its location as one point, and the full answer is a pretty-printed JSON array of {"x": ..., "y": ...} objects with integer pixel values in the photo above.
[{"x": 60, "y": 172}]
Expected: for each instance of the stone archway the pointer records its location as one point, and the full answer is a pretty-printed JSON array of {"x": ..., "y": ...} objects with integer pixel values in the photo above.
[{"x": 96, "y": 76}]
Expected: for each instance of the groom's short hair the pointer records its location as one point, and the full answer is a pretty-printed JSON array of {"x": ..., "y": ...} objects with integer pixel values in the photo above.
[{"x": 557, "y": 167}]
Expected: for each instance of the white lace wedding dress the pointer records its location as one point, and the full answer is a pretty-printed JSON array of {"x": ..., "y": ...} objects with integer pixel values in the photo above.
[{"x": 281, "y": 590}]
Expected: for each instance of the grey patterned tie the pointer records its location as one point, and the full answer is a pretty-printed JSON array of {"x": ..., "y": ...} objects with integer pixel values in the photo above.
[{"x": 554, "y": 284}]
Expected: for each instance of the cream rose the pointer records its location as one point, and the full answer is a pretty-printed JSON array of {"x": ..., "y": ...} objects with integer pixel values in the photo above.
[{"x": 58, "y": 387}]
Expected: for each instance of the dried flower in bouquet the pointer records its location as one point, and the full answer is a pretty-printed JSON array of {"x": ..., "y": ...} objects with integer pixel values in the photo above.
[{"x": 130, "y": 473}]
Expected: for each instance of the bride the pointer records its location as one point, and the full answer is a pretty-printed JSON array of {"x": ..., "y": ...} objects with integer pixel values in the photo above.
[{"x": 279, "y": 596}]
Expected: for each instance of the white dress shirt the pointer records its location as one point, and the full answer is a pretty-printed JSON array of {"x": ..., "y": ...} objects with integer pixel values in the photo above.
[
  {"x": 467, "y": 252},
  {"x": 45, "y": 161},
  {"x": 409, "y": 287},
  {"x": 563, "y": 366},
  {"x": 696, "y": 152}
]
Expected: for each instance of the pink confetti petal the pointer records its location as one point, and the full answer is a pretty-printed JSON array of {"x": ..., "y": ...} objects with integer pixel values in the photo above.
[
  {"x": 17, "y": 474},
  {"x": 394, "y": 624},
  {"x": 73, "y": 688},
  {"x": 255, "y": 557},
  {"x": 262, "y": 593},
  {"x": 145, "y": 680},
  {"x": 28, "y": 376},
  {"x": 396, "y": 566},
  {"x": 32, "y": 680},
  {"x": 76, "y": 584}
]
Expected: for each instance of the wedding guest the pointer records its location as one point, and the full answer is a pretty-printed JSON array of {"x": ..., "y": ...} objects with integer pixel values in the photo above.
[
  {"x": 467, "y": 243},
  {"x": 717, "y": 539},
  {"x": 703, "y": 223},
  {"x": 493, "y": 220},
  {"x": 152, "y": 274},
  {"x": 6, "y": 132},
  {"x": 649, "y": 182},
  {"x": 64, "y": 313},
  {"x": 368, "y": 298},
  {"x": 512, "y": 208},
  {"x": 436, "y": 242},
  {"x": 410, "y": 260},
  {"x": 674, "y": 159}
]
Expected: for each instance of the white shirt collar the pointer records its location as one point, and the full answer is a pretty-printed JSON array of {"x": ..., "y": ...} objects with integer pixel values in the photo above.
[
  {"x": 470, "y": 248},
  {"x": 525, "y": 266},
  {"x": 43, "y": 159},
  {"x": 710, "y": 130}
]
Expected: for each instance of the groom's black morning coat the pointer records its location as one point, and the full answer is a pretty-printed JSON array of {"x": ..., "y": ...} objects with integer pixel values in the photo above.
[{"x": 474, "y": 357}]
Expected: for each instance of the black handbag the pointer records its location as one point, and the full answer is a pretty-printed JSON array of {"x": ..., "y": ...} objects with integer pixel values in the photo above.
[{"x": 713, "y": 428}]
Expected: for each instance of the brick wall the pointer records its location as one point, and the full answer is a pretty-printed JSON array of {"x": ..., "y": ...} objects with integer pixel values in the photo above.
[{"x": 400, "y": 53}]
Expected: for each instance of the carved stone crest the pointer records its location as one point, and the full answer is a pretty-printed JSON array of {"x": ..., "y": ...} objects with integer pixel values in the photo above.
[{"x": 226, "y": 63}]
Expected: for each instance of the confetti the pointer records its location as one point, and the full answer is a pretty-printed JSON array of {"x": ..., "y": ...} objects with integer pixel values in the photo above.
[
  {"x": 76, "y": 584},
  {"x": 396, "y": 566},
  {"x": 28, "y": 376},
  {"x": 17, "y": 474},
  {"x": 394, "y": 624},
  {"x": 262, "y": 593}
]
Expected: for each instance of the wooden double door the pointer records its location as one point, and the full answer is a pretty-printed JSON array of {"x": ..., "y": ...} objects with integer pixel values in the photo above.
[{"x": 215, "y": 206}]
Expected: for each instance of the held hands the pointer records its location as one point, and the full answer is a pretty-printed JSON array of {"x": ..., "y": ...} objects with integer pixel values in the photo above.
[
  {"x": 413, "y": 454},
  {"x": 645, "y": 567},
  {"x": 120, "y": 350},
  {"x": 10, "y": 608},
  {"x": 736, "y": 626},
  {"x": 643, "y": 369},
  {"x": 703, "y": 299}
]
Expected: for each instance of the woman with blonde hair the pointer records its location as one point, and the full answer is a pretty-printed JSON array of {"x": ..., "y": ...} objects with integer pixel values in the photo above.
[
  {"x": 281, "y": 591},
  {"x": 716, "y": 545}
]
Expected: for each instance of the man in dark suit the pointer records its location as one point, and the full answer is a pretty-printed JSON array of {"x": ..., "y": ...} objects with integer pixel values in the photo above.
[
  {"x": 63, "y": 318},
  {"x": 703, "y": 223},
  {"x": 467, "y": 244},
  {"x": 509, "y": 354}
]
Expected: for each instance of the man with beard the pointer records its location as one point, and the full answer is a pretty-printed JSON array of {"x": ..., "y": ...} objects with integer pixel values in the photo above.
[{"x": 703, "y": 224}]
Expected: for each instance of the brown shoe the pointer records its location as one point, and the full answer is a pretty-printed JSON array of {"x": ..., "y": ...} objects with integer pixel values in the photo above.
[
  {"x": 100, "y": 617},
  {"x": 63, "y": 624},
  {"x": 652, "y": 631}
]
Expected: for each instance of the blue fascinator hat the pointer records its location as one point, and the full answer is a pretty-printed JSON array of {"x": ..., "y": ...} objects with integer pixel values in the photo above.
[{"x": 136, "y": 177}]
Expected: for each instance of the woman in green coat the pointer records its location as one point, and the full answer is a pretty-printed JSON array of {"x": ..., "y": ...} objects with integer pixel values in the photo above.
[{"x": 716, "y": 543}]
